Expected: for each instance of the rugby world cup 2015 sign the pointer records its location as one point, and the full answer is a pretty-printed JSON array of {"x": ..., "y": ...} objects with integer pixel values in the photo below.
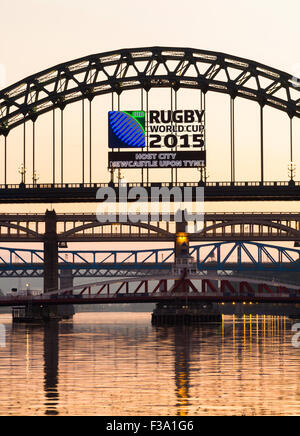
[{"x": 168, "y": 136}]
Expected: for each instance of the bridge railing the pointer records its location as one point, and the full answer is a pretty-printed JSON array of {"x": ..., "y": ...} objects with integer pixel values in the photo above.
[{"x": 281, "y": 294}]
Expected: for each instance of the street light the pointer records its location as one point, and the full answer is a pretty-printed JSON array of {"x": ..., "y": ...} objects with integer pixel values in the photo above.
[
  {"x": 35, "y": 178},
  {"x": 292, "y": 170},
  {"x": 22, "y": 171},
  {"x": 203, "y": 174},
  {"x": 120, "y": 176}
]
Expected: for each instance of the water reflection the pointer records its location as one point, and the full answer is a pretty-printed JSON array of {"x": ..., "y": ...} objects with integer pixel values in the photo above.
[
  {"x": 51, "y": 367},
  {"x": 182, "y": 339},
  {"x": 186, "y": 342},
  {"x": 119, "y": 364}
]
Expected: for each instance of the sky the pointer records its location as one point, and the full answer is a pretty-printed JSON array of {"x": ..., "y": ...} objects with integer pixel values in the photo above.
[{"x": 38, "y": 34}]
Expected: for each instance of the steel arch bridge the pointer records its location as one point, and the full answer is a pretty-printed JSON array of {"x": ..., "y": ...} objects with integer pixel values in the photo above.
[
  {"x": 85, "y": 227},
  {"x": 144, "y": 68}
]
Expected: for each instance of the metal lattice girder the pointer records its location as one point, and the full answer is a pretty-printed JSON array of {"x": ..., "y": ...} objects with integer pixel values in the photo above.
[
  {"x": 146, "y": 68},
  {"x": 122, "y": 260},
  {"x": 172, "y": 288},
  {"x": 245, "y": 256},
  {"x": 223, "y": 257},
  {"x": 157, "y": 284}
]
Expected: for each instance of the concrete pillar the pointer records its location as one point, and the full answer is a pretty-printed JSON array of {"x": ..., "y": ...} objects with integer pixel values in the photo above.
[
  {"x": 66, "y": 279},
  {"x": 50, "y": 252}
]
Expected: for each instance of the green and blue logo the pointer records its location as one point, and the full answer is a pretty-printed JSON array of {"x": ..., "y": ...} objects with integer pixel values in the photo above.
[{"x": 126, "y": 129}]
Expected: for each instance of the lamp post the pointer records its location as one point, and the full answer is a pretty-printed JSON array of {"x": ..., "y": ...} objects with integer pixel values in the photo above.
[
  {"x": 22, "y": 171},
  {"x": 203, "y": 174},
  {"x": 292, "y": 171},
  {"x": 120, "y": 176},
  {"x": 111, "y": 170},
  {"x": 35, "y": 178}
]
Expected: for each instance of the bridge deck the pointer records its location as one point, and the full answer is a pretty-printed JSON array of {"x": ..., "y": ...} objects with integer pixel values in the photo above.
[
  {"x": 214, "y": 191},
  {"x": 85, "y": 227},
  {"x": 156, "y": 298}
]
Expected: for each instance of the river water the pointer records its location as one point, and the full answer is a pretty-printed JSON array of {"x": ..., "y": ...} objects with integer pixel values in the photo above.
[{"x": 117, "y": 364}]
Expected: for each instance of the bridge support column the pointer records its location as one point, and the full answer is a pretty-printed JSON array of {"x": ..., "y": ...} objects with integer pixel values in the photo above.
[
  {"x": 50, "y": 252},
  {"x": 66, "y": 281},
  {"x": 181, "y": 311},
  {"x": 36, "y": 313}
]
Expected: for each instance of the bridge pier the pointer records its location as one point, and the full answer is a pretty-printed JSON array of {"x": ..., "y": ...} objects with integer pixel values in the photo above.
[
  {"x": 41, "y": 313},
  {"x": 182, "y": 311},
  {"x": 66, "y": 281},
  {"x": 66, "y": 278},
  {"x": 35, "y": 313},
  {"x": 50, "y": 252}
]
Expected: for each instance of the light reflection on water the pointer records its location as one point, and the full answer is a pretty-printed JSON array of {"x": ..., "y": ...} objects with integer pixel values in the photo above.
[{"x": 119, "y": 364}]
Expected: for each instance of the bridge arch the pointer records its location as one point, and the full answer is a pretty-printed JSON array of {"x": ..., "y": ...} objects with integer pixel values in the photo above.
[
  {"x": 139, "y": 225},
  {"x": 272, "y": 225},
  {"x": 23, "y": 229},
  {"x": 146, "y": 68}
]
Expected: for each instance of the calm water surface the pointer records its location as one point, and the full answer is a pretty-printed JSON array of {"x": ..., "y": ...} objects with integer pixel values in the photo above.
[{"x": 119, "y": 364}]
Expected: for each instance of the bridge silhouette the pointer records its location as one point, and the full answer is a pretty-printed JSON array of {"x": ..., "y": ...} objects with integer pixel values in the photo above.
[
  {"x": 227, "y": 238},
  {"x": 142, "y": 69},
  {"x": 220, "y": 256},
  {"x": 85, "y": 227},
  {"x": 172, "y": 288}
]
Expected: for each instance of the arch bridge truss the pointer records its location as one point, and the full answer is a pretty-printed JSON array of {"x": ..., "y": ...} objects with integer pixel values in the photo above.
[
  {"x": 219, "y": 226},
  {"x": 144, "y": 68}
]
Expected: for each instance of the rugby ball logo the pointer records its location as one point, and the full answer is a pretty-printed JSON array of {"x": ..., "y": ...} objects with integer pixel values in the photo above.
[{"x": 126, "y": 129}]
